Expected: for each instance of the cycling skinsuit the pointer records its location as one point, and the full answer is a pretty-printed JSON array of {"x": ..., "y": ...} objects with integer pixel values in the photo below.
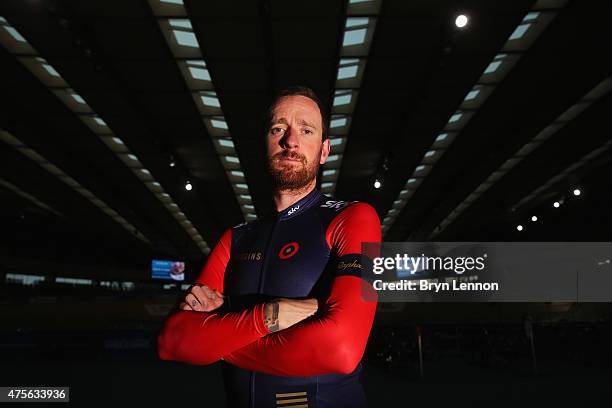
[{"x": 312, "y": 249}]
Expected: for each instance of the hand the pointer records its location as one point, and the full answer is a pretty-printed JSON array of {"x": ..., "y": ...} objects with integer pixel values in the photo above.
[
  {"x": 201, "y": 298},
  {"x": 282, "y": 313}
]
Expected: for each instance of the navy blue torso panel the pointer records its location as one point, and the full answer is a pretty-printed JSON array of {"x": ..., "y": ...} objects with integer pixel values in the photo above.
[{"x": 286, "y": 255}]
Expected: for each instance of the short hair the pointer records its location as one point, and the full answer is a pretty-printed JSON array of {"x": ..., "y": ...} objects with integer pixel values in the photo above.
[{"x": 298, "y": 90}]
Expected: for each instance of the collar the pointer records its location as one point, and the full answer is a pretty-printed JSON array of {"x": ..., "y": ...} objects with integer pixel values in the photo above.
[{"x": 298, "y": 207}]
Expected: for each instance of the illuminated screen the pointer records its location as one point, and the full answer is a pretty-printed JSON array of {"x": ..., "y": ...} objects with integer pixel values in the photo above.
[{"x": 168, "y": 270}]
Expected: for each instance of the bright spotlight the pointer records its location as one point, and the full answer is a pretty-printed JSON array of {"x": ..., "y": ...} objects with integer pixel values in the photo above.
[
  {"x": 519, "y": 227},
  {"x": 461, "y": 21},
  {"x": 534, "y": 218},
  {"x": 188, "y": 186},
  {"x": 577, "y": 192},
  {"x": 377, "y": 184},
  {"x": 556, "y": 204}
]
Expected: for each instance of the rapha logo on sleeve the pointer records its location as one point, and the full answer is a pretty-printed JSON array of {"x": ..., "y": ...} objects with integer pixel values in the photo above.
[{"x": 345, "y": 265}]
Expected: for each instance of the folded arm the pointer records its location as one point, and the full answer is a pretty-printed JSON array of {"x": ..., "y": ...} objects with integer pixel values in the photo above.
[
  {"x": 205, "y": 337},
  {"x": 331, "y": 343},
  {"x": 334, "y": 340}
]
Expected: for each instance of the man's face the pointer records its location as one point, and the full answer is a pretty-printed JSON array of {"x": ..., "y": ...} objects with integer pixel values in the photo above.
[{"x": 294, "y": 143}]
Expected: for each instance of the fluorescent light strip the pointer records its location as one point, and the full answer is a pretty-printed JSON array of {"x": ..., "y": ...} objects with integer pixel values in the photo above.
[
  {"x": 329, "y": 172},
  {"x": 473, "y": 94},
  {"x": 197, "y": 71},
  {"x": 24, "y": 279},
  {"x": 73, "y": 281},
  {"x": 348, "y": 68},
  {"x": 182, "y": 32},
  {"x": 143, "y": 174},
  {"x": 354, "y": 37},
  {"x": 338, "y": 122},
  {"x": 458, "y": 119},
  {"x": 519, "y": 32},
  {"x": 342, "y": 98}
]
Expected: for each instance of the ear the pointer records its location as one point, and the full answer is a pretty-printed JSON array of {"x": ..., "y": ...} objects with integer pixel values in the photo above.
[{"x": 324, "y": 151}]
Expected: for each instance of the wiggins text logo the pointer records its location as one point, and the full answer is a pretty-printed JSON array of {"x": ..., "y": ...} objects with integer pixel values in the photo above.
[{"x": 249, "y": 256}]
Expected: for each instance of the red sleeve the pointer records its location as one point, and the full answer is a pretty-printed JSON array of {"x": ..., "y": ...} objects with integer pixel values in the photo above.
[
  {"x": 334, "y": 340},
  {"x": 213, "y": 273},
  {"x": 204, "y": 338}
]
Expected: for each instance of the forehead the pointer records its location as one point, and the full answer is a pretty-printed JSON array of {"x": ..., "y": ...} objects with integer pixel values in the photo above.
[{"x": 298, "y": 106}]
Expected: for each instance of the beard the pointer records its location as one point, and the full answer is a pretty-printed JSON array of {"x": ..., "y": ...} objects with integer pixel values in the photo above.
[{"x": 287, "y": 176}]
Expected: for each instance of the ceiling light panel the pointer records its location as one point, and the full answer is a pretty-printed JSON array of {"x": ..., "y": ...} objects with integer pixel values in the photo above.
[
  {"x": 350, "y": 73},
  {"x": 42, "y": 70},
  {"x": 357, "y": 36}
]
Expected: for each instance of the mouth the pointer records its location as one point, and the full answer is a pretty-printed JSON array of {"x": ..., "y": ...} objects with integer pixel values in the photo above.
[{"x": 289, "y": 159}]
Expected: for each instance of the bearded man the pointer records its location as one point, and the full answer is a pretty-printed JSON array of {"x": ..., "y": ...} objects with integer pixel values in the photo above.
[{"x": 281, "y": 300}]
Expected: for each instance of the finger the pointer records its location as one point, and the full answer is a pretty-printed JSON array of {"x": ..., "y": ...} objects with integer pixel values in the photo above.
[
  {"x": 200, "y": 295},
  {"x": 217, "y": 301},
  {"x": 220, "y": 299},
  {"x": 207, "y": 292},
  {"x": 213, "y": 304},
  {"x": 185, "y": 306},
  {"x": 194, "y": 303}
]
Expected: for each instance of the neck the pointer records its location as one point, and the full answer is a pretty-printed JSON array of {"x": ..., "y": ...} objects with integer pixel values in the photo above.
[{"x": 283, "y": 199}]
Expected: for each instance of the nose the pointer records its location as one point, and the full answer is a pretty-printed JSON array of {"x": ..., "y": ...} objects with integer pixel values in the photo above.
[{"x": 290, "y": 139}]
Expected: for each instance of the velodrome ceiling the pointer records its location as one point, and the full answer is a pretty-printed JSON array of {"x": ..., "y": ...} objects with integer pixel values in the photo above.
[{"x": 108, "y": 108}]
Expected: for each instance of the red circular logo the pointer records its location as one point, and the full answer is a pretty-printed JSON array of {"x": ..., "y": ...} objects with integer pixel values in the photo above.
[{"x": 288, "y": 250}]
